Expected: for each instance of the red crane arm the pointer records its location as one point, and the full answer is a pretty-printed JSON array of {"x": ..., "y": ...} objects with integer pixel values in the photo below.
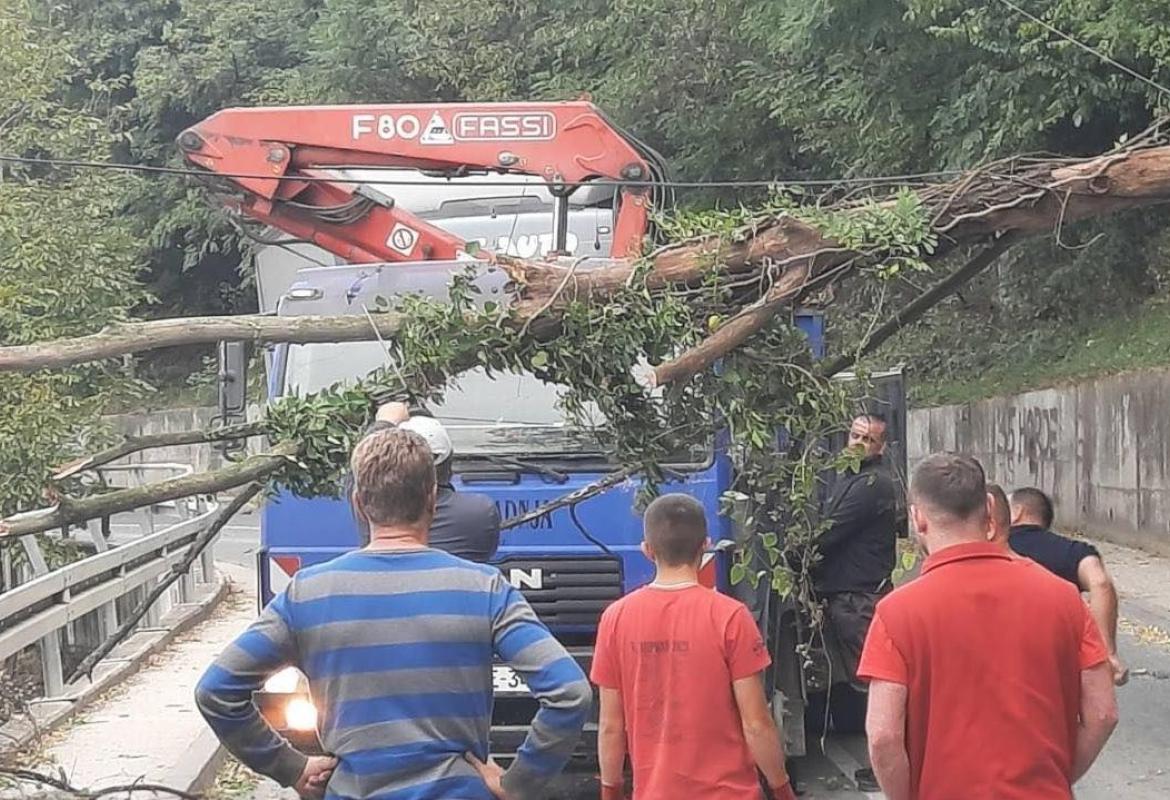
[{"x": 266, "y": 152}]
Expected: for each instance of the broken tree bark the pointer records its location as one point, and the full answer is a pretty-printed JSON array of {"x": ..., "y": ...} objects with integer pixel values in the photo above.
[{"x": 1025, "y": 196}]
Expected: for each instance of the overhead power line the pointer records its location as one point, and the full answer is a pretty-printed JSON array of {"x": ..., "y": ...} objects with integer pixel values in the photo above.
[
  {"x": 1087, "y": 47},
  {"x": 756, "y": 183}
]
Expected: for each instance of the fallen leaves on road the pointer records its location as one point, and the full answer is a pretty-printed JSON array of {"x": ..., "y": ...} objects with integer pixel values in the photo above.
[
  {"x": 233, "y": 782},
  {"x": 1146, "y": 634}
]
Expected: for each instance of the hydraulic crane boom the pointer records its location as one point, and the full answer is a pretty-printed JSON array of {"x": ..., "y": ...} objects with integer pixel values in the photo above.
[{"x": 280, "y": 159}]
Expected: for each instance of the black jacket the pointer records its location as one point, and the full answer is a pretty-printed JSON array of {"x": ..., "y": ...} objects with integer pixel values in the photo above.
[
  {"x": 859, "y": 550},
  {"x": 466, "y": 524}
]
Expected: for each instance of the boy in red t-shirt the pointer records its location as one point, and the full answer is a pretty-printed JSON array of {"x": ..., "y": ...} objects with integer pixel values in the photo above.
[{"x": 679, "y": 667}]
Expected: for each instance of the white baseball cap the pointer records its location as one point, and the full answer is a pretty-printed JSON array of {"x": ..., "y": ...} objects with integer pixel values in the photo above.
[{"x": 435, "y": 434}]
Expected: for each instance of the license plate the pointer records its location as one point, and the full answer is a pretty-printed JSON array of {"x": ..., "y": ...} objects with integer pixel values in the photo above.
[{"x": 505, "y": 681}]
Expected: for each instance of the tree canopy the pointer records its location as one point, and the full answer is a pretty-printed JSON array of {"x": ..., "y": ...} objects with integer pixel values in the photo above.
[
  {"x": 736, "y": 89},
  {"x": 68, "y": 256}
]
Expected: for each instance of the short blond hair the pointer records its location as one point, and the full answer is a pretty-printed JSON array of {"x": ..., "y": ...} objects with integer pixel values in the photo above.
[{"x": 393, "y": 477}]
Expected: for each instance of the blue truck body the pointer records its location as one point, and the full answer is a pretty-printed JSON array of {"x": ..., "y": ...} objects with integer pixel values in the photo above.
[{"x": 570, "y": 566}]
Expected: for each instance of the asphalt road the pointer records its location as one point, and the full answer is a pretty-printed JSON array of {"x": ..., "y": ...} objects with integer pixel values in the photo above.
[{"x": 1135, "y": 764}]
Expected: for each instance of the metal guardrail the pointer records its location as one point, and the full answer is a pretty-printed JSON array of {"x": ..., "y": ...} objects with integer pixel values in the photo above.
[{"x": 36, "y": 611}]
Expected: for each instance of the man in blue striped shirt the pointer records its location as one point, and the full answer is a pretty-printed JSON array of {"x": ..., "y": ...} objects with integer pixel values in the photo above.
[{"x": 397, "y": 641}]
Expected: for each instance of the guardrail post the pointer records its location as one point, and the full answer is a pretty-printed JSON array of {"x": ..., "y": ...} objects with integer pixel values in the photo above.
[
  {"x": 187, "y": 586},
  {"x": 207, "y": 557},
  {"x": 108, "y": 616},
  {"x": 152, "y": 617},
  {"x": 54, "y": 675},
  {"x": 207, "y": 565},
  {"x": 50, "y": 645},
  {"x": 7, "y": 574}
]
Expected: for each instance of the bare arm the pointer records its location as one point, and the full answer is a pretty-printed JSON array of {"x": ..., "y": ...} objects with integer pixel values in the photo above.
[
  {"x": 1098, "y": 717},
  {"x": 885, "y": 727},
  {"x": 1093, "y": 578},
  {"x": 611, "y": 738},
  {"x": 759, "y": 729}
]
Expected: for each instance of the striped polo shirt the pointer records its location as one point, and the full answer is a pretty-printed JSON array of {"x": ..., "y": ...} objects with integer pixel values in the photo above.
[{"x": 397, "y": 647}]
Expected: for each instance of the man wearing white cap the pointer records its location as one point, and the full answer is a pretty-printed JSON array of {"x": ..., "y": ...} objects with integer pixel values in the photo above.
[{"x": 465, "y": 524}]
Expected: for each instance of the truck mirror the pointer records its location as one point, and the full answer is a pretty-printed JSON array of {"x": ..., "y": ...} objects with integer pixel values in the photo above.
[{"x": 233, "y": 382}]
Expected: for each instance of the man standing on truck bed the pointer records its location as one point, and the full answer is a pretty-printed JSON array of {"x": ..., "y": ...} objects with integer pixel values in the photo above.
[
  {"x": 397, "y": 641},
  {"x": 466, "y": 524},
  {"x": 857, "y": 558},
  {"x": 680, "y": 670},
  {"x": 1077, "y": 562}
]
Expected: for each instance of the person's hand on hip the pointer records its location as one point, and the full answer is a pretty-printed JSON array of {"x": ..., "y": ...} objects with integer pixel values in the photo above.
[
  {"x": 315, "y": 777},
  {"x": 784, "y": 791},
  {"x": 491, "y": 772},
  {"x": 1120, "y": 671},
  {"x": 612, "y": 792}
]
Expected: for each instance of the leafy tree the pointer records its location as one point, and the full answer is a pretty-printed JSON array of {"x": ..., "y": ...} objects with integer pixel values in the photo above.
[
  {"x": 68, "y": 260},
  {"x": 731, "y": 89}
]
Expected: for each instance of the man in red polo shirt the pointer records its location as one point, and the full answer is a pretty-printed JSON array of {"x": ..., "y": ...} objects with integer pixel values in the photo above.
[{"x": 988, "y": 678}]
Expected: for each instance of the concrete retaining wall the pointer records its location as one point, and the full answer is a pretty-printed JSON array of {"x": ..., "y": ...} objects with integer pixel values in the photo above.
[
  {"x": 201, "y": 456},
  {"x": 1100, "y": 448}
]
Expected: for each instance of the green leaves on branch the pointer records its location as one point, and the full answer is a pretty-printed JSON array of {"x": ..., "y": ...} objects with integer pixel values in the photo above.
[{"x": 765, "y": 396}]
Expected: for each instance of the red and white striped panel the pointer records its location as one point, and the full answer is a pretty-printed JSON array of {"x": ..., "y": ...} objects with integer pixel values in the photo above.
[
  {"x": 708, "y": 573},
  {"x": 280, "y": 572}
]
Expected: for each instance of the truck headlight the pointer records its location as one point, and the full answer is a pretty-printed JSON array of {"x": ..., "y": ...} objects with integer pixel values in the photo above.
[
  {"x": 286, "y": 681},
  {"x": 300, "y": 715}
]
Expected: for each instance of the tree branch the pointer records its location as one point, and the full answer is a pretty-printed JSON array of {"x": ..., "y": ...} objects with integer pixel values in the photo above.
[
  {"x": 134, "y": 444},
  {"x": 61, "y": 785},
  {"x": 136, "y": 337},
  {"x": 734, "y": 332},
  {"x": 922, "y": 303},
  {"x": 205, "y": 537},
  {"x": 572, "y": 498},
  {"x": 72, "y": 511}
]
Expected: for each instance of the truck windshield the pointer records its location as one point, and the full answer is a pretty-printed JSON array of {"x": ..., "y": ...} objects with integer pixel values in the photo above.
[{"x": 505, "y": 414}]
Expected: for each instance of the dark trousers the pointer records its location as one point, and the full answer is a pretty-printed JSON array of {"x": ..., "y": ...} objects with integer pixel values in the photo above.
[{"x": 847, "y": 619}]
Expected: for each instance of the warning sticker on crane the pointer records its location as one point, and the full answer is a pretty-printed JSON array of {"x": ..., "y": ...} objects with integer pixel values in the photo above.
[
  {"x": 402, "y": 239},
  {"x": 436, "y": 132}
]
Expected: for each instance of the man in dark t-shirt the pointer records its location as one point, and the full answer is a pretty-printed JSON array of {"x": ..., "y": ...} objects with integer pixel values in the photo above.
[{"x": 1075, "y": 561}]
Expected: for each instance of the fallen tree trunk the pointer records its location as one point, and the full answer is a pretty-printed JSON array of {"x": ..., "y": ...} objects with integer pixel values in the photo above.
[
  {"x": 135, "y": 337},
  {"x": 1021, "y": 196}
]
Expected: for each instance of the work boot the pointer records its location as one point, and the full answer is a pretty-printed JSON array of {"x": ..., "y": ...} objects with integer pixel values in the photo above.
[{"x": 866, "y": 781}]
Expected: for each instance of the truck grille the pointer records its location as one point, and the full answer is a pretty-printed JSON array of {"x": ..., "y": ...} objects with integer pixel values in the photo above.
[{"x": 566, "y": 591}]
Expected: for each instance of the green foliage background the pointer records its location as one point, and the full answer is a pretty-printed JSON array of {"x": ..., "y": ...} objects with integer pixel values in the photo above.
[
  {"x": 68, "y": 254},
  {"x": 726, "y": 89}
]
